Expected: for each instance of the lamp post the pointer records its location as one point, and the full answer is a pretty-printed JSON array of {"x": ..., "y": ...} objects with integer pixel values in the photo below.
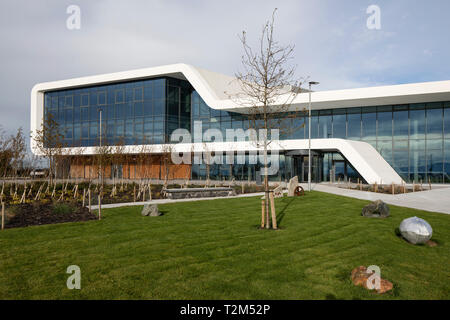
[
  {"x": 309, "y": 134},
  {"x": 101, "y": 159}
]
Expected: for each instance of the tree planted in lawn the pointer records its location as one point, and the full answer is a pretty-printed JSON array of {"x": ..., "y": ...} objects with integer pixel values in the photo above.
[{"x": 268, "y": 86}]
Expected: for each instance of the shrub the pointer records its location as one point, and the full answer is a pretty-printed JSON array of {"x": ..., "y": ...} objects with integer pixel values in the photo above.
[{"x": 62, "y": 208}]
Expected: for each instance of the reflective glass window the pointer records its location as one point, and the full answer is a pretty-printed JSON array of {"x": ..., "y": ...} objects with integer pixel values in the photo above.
[
  {"x": 120, "y": 132},
  {"x": 129, "y": 95},
  {"x": 417, "y": 124},
  {"x": 401, "y": 162},
  {"x": 384, "y": 147},
  {"x": 354, "y": 125},
  {"x": 138, "y": 95},
  {"x": 148, "y": 110},
  {"x": 93, "y": 113},
  {"x": 447, "y": 160},
  {"x": 85, "y": 130},
  {"x": 434, "y": 144},
  {"x": 101, "y": 98},
  {"x": 69, "y": 101},
  {"x": 68, "y": 115},
  {"x": 447, "y": 121},
  {"x": 120, "y": 96},
  {"x": 77, "y": 132},
  {"x": 129, "y": 110},
  {"x": 298, "y": 128},
  {"x": 93, "y": 130},
  {"x": 158, "y": 90},
  {"x": 434, "y": 123},
  {"x": 434, "y": 161},
  {"x": 339, "y": 128},
  {"x": 314, "y": 126},
  {"x": 401, "y": 124},
  {"x": 93, "y": 98},
  {"x": 138, "y": 109},
  {"x": 158, "y": 107},
  {"x": 384, "y": 124},
  {"x": 148, "y": 92},
  {"x": 369, "y": 126},
  {"x": 84, "y": 100},
  {"x": 417, "y": 163},
  {"x": 128, "y": 129},
  {"x": 84, "y": 114}
]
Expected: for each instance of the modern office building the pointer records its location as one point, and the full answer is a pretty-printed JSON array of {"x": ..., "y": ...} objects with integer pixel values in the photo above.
[{"x": 386, "y": 134}]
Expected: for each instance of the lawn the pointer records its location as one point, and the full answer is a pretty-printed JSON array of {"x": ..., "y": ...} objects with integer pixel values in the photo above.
[{"x": 213, "y": 250}]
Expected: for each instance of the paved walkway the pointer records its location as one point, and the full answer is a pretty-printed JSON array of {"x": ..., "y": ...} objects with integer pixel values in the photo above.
[
  {"x": 163, "y": 201},
  {"x": 436, "y": 200}
]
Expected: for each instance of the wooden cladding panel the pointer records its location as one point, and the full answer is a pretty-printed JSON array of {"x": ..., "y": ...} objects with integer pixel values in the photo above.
[{"x": 154, "y": 168}]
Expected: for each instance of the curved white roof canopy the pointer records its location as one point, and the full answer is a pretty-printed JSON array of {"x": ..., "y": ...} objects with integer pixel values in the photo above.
[
  {"x": 216, "y": 89},
  {"x": 362, "y": 156}
]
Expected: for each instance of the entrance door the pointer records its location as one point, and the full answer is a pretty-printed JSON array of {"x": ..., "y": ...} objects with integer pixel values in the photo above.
[
  {"x": 316, "y": 168},
  {"x": 340, "y": 170}
]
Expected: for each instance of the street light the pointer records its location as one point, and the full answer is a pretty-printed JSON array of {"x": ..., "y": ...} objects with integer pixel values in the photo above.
[{"x": 311, "y": 83}]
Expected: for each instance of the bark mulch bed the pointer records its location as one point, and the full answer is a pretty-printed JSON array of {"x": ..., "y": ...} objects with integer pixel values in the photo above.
[{"x": 25, "y": 215}]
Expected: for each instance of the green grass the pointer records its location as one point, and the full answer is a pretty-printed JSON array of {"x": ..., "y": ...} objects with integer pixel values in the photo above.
[{"x": 213, "y": 250}]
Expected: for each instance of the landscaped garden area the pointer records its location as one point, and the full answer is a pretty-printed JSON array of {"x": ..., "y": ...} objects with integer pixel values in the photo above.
[{"x": 213, "y": 249}]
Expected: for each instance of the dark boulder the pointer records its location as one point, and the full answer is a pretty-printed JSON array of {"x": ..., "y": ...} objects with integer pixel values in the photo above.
[{"x": 376, "y": 209}]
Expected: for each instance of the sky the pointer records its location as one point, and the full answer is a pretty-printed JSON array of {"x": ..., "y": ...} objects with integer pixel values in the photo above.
[{"x": 333, "y": 44}]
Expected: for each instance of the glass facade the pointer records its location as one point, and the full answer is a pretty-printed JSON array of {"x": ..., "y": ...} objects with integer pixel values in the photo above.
[
  {"x": 413, "y": 138},
  {"x": 133, "y": 112}
]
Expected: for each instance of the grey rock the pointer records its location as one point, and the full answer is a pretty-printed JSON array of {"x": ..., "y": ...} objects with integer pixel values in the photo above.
[
  {"x": 376, "y": 209},
  {"x": 150, "y": 210},
  {"x": 416, "y": 230}
]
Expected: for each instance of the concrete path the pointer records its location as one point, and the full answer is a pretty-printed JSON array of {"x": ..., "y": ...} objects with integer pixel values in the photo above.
[
  {"x": 163, "y": 201},
  {"x": 436, "y": 200}
]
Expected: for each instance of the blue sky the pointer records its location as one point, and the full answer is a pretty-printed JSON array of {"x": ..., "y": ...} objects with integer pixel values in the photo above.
[{"x": 332, "y": 42}]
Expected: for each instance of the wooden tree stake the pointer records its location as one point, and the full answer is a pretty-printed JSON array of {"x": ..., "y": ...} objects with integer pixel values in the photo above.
[
  {"x": 272, "y": 209},
  {"x": 263, "y": 207},
  {"x": 3, "y": 215},
  {"x": 89, "y": 196},
  {"x": 99, "y": 207}
]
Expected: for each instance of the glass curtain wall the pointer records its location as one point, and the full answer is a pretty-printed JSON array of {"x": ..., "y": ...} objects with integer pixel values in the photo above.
[
  {"x": 132, "y": 113},
  {"x": 413, "y": 138}
]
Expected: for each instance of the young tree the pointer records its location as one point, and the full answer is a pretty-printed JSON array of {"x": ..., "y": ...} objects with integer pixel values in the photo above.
[
  {"x": 18, "y": 150},
  {"x": 268, "y": 86},
  {"x": 118, "y": 159},
  {"x": 103, "y": 158},
  {"x": 49, "y": 143},
  {"x": 166, "y": 157},
  {"x": 143, "y": 159},
  {"x": 5, "y": 153}
]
